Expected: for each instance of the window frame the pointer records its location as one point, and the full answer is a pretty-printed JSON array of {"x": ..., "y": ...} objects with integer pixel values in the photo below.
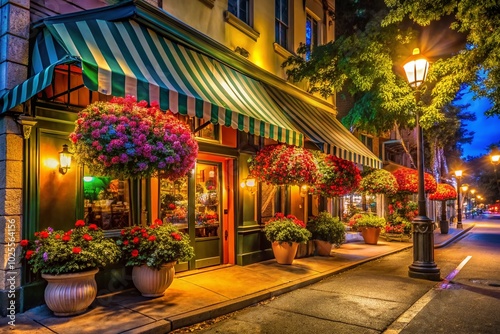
[{"x": 281, "y": 26}]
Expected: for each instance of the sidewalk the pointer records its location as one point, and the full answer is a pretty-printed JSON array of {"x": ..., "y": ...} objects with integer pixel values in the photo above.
[{"x": 197, "y": 296}]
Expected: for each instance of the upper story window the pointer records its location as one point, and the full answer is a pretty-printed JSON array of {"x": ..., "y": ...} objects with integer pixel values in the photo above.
[
  {"x": 311, "y": 34},
  {"x": 282, "y": 24},
  {"x": 240, "y": 9},
  {"x": 368, "y": 141}
]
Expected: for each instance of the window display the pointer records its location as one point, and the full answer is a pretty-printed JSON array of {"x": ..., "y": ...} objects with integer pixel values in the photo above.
[
  {"x": 207, "y": 201},
  {"x": 174, "y": 202},
  {"x": 106, "y": 202}
]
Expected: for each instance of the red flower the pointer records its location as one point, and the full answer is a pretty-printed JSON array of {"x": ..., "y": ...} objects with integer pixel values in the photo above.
[
  {"x": 80, "y": 223},
  {"x": 76, "y": 250},
  {"x": 176, "y": 236},
  {"x": 125, "y": 242},
  {"x": 136, "y": 240},
  {"x": 152, "y": 238},
  {"x": 123, "y": 232},
  {"x": 93, "y": 227},
  {"x": 157, "y": 222},
  {"x": 87, "y": 237},
  {"x": 443, "y": 192},
  {"x": 57, "y": 236},
  {"x": 134, "y": 253},
  {"x": 66, "y": 238},
  {"x": 44, "y": 234},
  {"x": 171, "y": 206},
  {"x": 145, "y": 235},
  {"x": 29, "y": 254},
  {"x": 24, "y": 243}
]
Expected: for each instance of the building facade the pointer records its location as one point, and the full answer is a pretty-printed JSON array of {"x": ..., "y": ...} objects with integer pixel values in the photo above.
[{"x": 216, "y": 64}]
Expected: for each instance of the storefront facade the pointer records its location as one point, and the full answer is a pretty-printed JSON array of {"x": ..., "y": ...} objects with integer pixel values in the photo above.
[{"x": 233, "y": 107}]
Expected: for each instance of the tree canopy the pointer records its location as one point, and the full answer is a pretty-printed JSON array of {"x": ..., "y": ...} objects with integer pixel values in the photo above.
[{"x": 460, "y": 38}]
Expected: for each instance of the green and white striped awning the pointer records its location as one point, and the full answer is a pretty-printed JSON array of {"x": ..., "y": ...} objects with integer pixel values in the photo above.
[
  {"x": 127, "y": 58},
  {"x": 323, "y": 129}
]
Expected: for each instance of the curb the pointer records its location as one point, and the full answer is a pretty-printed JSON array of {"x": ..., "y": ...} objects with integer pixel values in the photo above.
[{"x": 455, "y": 237}]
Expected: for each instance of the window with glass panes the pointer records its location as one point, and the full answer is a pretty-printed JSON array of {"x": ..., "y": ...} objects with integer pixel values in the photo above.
[
  {"x": 281, "y": 25},
  {"x": 240, "y": 9},
  {"x": 368, "y": 141},
  {"x": 311, "y": 34}
]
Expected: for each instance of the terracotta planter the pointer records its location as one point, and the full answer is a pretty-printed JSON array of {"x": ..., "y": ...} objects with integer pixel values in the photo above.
[
  {"x": 305, "y": 250},
  {"x": 70, "y": 294},
  {"x": 152, "y": 282},
  {"x": 323, "y": 248},
  {"x": 284, "y": 253},
  {"x": 370, "y": 235}
]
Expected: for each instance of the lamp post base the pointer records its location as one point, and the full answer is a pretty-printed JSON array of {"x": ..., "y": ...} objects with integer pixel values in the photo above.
[
  {"x": 460, "y": 226},
  {"x": 423, "y": 265}
]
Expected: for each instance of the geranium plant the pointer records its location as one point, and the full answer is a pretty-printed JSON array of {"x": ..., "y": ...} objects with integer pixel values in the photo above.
[
  {"x": 288, "y": 229},
  {"x": 379, "y": 181},
  {"x": 444, "y": 192},
  {"x": 154, "y": 245},
  {"x": 79, "y": 249},
  {"x": 124, "y": 138},
  {"x": 407, "y": 179},
  {"x": 336, "y": 177},
  {"x": 283, "y": 165},
  {"x": 370, "y": 220}
]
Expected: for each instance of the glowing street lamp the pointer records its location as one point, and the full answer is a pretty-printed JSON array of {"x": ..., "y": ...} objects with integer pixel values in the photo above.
[
  {"x": 458, "y": 174},
  {"x": 423, "y": 266}
]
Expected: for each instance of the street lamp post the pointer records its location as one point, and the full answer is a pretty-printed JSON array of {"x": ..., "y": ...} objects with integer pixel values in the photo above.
[
  {"x": 458, "y": 174},
  {"x": 423, "y": 265},
  {"x": 465, "y": 197},
  {"x": 495, "y": 160}
]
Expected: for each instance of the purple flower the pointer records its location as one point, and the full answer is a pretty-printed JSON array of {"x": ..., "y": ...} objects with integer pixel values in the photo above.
[{"x": 45, "y": 256}]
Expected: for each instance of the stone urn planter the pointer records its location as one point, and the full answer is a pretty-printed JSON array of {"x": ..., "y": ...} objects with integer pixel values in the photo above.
[
  {"x": 284, "y": 253},
  {"x": 370, "y": 235},
  {"x": 70, "y": 294},
  {"x": 323, "y": 248},
  {"x": 152, "y": 282}
]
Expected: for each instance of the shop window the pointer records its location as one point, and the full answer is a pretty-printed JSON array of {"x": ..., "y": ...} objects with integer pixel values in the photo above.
[
  {"x": 311, "y": 34},
  {"x": 368, "y": 141},
  {"x": 240, "y": 9},
  {"x": 207, "y": 130},
  {"x": 107, "y": 202},
  {"x": 174, "y": 202},
  {"x": 281, "y": 23},
  {"x": 207, "y": 201}
]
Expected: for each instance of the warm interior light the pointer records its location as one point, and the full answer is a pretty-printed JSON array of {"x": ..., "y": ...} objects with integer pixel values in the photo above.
[
  {"x": 495, "y": 158},
  {"x": 250, "y": 184},
  {"x": 303, "y": 190},
  {"x": 458, "y": 173},
  {"x": 64, "y": 160},
  {"x": 51, "y": 163},
  {"x": 416, "y": 68}
]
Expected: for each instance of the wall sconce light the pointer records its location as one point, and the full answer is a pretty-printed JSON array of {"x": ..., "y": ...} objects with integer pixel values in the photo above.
[
  {"x": 303, "y": 190},
  {"x": 251, "y": 184},
  {"x": 64, "y": 160}
]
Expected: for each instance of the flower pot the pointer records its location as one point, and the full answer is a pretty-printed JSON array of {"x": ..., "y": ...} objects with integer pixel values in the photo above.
[
  {"x": 370, "y": 235},
  {"x": 305, "y": 250},
  {"x": 70, "y": 294},
  {"x": 323, "y": 248},
  {"x": 284, "y": 253},
  {"x": 152, "y": 282}
]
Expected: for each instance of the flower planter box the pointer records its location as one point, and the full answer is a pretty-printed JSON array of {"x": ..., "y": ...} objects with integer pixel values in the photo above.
[{"x": 397, "y": 237}]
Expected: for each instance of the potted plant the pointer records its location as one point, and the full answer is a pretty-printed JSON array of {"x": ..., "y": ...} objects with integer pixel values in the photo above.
[
  {"x": 68, "y": 261},
  {"x": 285, "y": 233},
  {"x": 397, "y": 228},
  {"x": 327, "y": 231},
  {"x": 153, "y": 252},
  {"x": 370, "y": 226}
]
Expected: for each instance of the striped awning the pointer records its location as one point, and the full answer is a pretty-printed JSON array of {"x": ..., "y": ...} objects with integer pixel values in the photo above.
[
  {"x": 323, "y": 129},
  {"x": 127, "y": 58}
]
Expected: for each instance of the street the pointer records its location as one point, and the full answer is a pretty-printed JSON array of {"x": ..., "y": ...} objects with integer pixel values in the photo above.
[{"x": 379, "y": 297}]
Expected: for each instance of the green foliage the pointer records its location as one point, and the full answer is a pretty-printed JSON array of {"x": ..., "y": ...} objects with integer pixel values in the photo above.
[
  {"x": 154, "y": 245},
  {"x": 370, "y": 221},
  {"x": 286, "y": 229},
  {"x": 327, "y": 228},
  {"x": 60, "y": 252}
]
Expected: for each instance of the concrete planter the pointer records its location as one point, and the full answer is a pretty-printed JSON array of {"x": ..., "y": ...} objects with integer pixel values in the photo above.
[
  {"x": 152, "y": 282},
  {"x": 70, "y": 294}
]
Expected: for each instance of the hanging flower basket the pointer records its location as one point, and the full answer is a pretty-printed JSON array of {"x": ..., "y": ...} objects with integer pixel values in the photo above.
[
  {"x": 124, "y": 138},
  {"x": 407, "y": 179},
  {"x": 283, "y": 165},
  {"x": 379, "y": 181},
  {"x": 444, "y": 192},
  {"x": 336, "y": 177}
]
